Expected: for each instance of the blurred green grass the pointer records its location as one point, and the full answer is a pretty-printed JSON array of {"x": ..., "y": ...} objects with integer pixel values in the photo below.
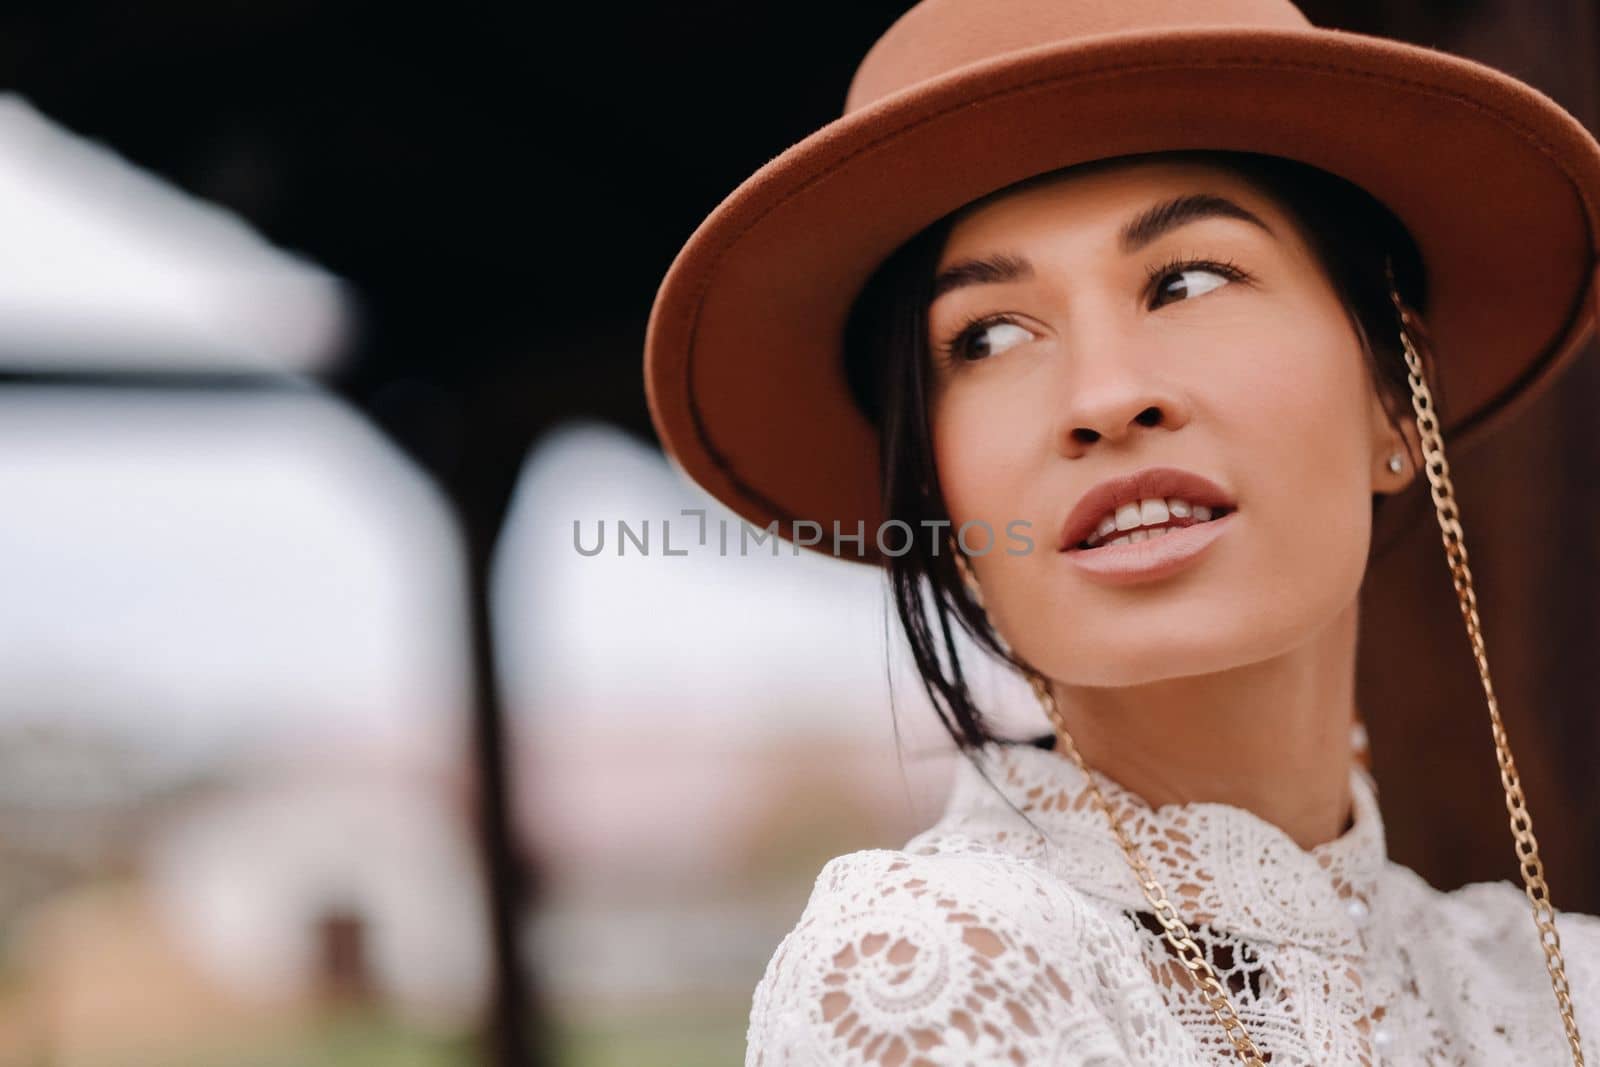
[
  {"x": 702, "y": 1036},
  {"x": 363, "y": 1041},
  {"x": 709, "y": 1036}
]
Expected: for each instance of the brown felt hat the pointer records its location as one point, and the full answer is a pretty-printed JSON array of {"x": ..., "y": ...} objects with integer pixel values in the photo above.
[{"x": 1498, "y": 185}]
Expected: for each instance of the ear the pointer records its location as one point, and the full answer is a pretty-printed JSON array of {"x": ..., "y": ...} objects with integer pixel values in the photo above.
[
  {"x": 1409, "y": 444},
  {"x": 1385, "y": 444}
]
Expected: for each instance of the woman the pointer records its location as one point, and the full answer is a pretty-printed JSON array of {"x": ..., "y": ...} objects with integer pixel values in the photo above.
[{"x": 1139, "y": 378}]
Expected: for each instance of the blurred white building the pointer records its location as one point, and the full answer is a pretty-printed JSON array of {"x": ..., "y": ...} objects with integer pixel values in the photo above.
[{"x": 327, "y": 872}]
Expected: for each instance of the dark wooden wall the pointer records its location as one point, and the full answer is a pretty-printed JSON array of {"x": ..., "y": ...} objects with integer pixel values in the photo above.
[{"x": 1530, "y": 507}]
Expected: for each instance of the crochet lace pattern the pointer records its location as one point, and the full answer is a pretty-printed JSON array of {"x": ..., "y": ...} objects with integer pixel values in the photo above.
[{"x": 982, "y": 942}]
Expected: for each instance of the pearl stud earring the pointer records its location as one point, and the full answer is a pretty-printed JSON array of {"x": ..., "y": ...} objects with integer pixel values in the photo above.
[{"x": 1396, "y": 464}]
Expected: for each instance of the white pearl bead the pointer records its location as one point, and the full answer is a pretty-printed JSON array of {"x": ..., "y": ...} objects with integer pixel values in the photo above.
[
  {"x": 1357, "y": 909},
  {"x": 1383, "y": 1037}
]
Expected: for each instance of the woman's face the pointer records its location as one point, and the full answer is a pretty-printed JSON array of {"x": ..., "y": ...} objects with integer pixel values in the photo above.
[{"x": 1105, "y": 354}]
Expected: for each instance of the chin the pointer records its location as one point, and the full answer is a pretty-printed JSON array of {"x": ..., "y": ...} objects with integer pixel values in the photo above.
[{"x": 1159, "y": 651}]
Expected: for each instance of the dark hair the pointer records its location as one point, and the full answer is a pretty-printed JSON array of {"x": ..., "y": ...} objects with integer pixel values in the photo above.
[{"x": 886, "y": 348}]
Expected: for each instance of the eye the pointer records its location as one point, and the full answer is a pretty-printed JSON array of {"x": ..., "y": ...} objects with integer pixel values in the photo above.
[
  {"x": 983, "y": 337},
  {"x": 1186, "y": 279}
]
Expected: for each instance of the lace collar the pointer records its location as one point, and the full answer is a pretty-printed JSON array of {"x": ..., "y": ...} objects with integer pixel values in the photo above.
[{"x": 1221, "y": 866}]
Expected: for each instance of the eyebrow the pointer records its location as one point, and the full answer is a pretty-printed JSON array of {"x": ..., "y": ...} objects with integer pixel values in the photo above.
[{"x": 1143, "y": 229}]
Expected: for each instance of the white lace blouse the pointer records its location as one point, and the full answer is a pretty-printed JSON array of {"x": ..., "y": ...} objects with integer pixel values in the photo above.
[{"x": 980, "y": 942}]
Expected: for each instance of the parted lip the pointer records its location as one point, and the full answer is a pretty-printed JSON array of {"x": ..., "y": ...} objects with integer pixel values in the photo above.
[{"x": 1112, "y": 493}]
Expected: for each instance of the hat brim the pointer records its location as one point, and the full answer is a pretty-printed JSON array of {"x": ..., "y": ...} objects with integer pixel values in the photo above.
[{"x": 1496, "y": 182}]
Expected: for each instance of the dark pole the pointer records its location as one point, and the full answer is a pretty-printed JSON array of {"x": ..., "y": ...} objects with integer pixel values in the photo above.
[
  {"x": 491, "y": 793},
  {"x": 490, "y": 436}
]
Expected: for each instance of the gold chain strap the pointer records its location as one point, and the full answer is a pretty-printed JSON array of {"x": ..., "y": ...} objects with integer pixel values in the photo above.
[
  {"x": 1527, "y": 848},
  {"x": 1177, "y": 933}
]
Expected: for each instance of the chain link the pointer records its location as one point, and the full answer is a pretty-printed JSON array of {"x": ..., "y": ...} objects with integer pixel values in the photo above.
[
  {"x": 1455, "y": 549},
  {"x": 1527, "y": 848},
  {"x": 1177, "y": 934}
]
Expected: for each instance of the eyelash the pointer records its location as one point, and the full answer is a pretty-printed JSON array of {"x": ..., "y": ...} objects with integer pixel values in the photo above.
[
  {"x": 1178, "y": 263},
  {"x": 1225, "y": 267}
]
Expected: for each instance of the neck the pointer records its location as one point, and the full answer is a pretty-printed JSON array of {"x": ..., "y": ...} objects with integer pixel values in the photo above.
[{"x": 1272, "y": 737}]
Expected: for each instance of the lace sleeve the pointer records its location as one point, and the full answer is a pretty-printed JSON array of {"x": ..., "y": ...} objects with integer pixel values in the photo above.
[
  {"x": 1493, "y": 986},
  {"x": 907, "y": 960}
]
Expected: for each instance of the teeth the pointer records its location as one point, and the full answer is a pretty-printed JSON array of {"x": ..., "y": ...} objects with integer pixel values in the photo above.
[{"x": 1152, "y": 511}]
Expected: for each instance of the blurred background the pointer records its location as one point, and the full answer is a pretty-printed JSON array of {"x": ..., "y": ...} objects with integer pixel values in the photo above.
[{"x": 321, "y": 741}]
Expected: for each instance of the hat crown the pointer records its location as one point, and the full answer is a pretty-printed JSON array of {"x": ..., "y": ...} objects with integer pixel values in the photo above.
[{"x": 937, "y": 37}]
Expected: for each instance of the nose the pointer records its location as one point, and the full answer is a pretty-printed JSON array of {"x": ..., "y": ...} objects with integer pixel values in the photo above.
[{"x": 1113, "y": 391}]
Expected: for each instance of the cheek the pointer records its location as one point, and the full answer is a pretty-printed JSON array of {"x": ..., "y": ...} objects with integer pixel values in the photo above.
[
  {"x": 1303, "y": 458},
  {"x": 980, "y": 455},
  {"x": 987, "y": 448}
]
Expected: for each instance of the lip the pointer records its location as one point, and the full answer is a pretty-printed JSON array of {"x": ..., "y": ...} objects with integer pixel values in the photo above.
[
  {"x": 1144, "y": 483},
  {"x": 1153, "y": 558}
]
